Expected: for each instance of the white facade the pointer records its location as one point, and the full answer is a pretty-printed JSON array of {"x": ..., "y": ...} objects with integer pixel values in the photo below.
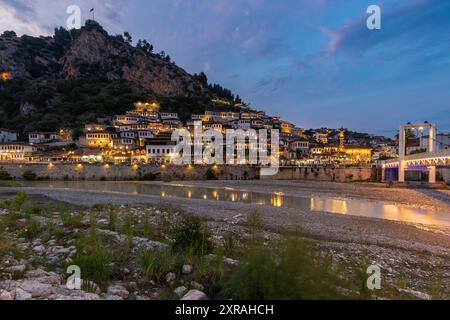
[
  {"x": 300, "y": 146},
  {"x": 7, "y": 135},
  {"x": 43, "y": 137},
  {"x": 127, "y": 119},
  {"x": 15, "y": 151},
  {"x": 167, "y": 116},
  {"x": 160, "y": 153}
]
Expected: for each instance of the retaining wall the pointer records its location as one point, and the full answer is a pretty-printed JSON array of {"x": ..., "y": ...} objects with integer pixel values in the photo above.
[
  {"x": 325, "y": 174},
  {"x": 127, "y": 172}
]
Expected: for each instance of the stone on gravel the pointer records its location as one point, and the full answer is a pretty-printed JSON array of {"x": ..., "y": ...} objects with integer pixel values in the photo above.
[
  {"x": 180, "y": 291},
  {"x": 22, "y": 295},
  {"x": 195, "y": 295},
  {"x": 5, "y": 296},
  {"x": 197, "y": 286},
  {"x": 36, "y": 289},
  {"x": 118, "y": 290},
  {"x": 231, "y": 262},
  {"x": 187, "y": 269},
  {"x": 16, "y": 269},
  {"x": 39, "y": 249},
  {"x": 170, "y": 277}
]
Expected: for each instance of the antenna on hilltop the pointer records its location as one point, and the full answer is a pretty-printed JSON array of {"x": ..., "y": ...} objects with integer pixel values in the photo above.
[{"x": 93, "y": 13}]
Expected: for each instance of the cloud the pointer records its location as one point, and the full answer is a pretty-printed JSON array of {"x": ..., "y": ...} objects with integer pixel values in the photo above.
[
  {"x": 18, "y": 16},
  {"x": 40, "y": 17},
  {"x": 417, "y": 23}
]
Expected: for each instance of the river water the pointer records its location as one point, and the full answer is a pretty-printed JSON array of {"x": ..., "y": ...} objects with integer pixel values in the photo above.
[{"x": 351, "y": 206}]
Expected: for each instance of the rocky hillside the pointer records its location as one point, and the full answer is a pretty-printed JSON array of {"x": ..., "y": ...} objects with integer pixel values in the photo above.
[{"x": 75, "y": 76}]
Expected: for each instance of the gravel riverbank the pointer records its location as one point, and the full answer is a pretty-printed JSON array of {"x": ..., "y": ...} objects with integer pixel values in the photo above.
[{"x": 421, "y": 252}]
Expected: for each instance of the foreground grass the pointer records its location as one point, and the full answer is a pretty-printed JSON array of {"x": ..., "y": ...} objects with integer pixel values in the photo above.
[{"x": 289, "y": 271}]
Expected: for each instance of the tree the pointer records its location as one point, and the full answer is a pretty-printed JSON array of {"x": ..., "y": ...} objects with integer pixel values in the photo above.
[
  {"x": 128, "y": 37},
  {"x": 147, "y": 46},
  {"x": 77, "y": 133},
  {"x": 9, "y": 34},
  {"x": 202, "y": 79}
]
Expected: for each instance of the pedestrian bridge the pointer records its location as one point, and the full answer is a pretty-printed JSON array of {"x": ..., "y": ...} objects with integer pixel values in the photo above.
[
  {"x": 430, "y": 160},
  {"x": 439, "y": 158}
]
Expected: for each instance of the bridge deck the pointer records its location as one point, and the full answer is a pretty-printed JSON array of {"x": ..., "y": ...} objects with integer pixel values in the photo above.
[{"x": 439, "y": 158}]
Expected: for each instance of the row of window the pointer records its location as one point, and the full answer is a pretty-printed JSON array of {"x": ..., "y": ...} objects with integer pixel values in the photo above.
[
  {"x": 159, "y": 151},
  {"x": 11, "y": 148},
  {"x": 98, "y": 136}
]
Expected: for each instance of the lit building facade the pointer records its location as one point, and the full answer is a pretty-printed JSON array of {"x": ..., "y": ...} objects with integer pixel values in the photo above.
[{"x": 20, "y": 152}]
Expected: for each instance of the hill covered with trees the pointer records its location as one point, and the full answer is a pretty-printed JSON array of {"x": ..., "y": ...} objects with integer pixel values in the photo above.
[{"x": 76, "y": 76}]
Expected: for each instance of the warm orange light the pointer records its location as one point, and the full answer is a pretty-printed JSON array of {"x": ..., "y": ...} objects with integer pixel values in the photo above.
[{"x": 5, "y": 76}]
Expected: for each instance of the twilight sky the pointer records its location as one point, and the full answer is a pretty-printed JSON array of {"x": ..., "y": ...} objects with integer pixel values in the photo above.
[{"x": 314, "y": 62}]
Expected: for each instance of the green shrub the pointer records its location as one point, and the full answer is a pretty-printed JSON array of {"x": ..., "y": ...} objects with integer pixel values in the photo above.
[
  {"x": 155, "y": 264},
  {"x": 191, "y": 236},
  {"x": 145, "y": 229},
  {"x": 229, "y": 245},
  {"x": 94, "y": 260},
  {"x": 112, "y": 212},
  {"x": 290, "y": 271},
  {"x": 211, "y": 174},
  {"x": 254, "y": 220},
  {"x": 31, "y": 231},
  {"x": 71, "y": 219},
  {"x": 4, "y": 175},
  {"x": 127, "y": 227},
  {"x": 51, "y": 230},
  {"x": 29, "y": 175},
  {"x": 95, "y": 267},
  {"x": 149, "y": 177},
  {"x": 18, "y": 201}
]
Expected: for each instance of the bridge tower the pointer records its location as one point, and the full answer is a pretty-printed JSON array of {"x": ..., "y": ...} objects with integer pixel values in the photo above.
[{"x": 402, "y": 148}]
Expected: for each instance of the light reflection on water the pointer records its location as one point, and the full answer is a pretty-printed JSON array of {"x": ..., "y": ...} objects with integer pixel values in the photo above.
[{"x": 374, "y": 209}]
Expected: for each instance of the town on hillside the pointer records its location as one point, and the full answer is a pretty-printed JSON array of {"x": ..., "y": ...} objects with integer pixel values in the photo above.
[{"x": 144, "y": 136}]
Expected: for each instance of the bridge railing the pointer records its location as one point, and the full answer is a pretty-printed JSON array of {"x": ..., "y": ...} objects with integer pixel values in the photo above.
[{"x": 443, "y": 155}]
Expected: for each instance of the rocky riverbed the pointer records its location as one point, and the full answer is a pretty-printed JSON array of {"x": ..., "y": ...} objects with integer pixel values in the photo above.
[{"x": 40, "y": 241}]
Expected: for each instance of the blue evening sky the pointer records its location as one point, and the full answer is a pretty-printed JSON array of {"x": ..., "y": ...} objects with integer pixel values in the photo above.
[{"x": 313, "y": 62}]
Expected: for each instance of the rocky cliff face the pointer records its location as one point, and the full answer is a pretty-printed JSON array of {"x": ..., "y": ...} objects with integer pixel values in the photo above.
[{"x": 92, "y": 53}]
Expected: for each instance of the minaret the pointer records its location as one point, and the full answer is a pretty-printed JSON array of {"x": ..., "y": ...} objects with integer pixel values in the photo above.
[{"x": 342, "y": 139}]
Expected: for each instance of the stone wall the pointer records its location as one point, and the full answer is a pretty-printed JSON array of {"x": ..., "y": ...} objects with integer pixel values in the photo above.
[
  {"x": 325, "y": 174},
  {"x": 127, "y": 172}
]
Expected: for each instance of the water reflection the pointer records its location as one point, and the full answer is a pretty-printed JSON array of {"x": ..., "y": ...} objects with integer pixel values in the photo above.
[
  {"x": 375, "y": 209},
  {"x": 277, "y": 200}
]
